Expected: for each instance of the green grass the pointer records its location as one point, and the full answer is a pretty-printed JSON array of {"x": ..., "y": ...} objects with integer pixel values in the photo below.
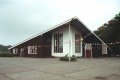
[{"x": 6, "y": 54}]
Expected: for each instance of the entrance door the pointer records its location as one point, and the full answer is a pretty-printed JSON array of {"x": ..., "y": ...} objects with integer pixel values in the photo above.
[{"x": 88, "y": 51}]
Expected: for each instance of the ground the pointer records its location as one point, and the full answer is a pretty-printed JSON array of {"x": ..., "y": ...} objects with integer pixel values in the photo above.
[{"x": 53, "y": 69}]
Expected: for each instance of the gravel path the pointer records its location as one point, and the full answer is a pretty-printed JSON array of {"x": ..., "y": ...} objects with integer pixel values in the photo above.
[{"x": 53, "y": 69}]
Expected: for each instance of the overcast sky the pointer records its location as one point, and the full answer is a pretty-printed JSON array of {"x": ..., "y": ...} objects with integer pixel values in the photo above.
[{"x": 21, "y": 19}]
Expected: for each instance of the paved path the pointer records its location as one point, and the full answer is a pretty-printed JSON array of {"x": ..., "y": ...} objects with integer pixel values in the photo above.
[{"x": 53, "y": 69}]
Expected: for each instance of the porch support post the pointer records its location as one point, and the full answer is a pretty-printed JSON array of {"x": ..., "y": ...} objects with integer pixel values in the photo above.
[
  {"x": 69, "y": 44},
  {"x": 81, "y": 45}
]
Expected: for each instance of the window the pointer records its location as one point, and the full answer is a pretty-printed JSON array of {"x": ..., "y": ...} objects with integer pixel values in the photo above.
[
  {"x": 104, "y": 49},
  {"x": 88, "y": 46},
  {"x": 22, "y": 50},
  {"x": 15, "y": 51},
  {"x": 32, "y": 49},
  {"x": 58, "y": 43},
  {"x": 77, "y": 43}
]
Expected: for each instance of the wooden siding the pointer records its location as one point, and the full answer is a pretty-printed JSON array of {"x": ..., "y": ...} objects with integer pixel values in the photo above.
[{"x": 43, "y": 50}]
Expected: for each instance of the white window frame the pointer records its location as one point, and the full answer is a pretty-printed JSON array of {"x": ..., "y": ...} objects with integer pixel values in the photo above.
[
  {"x": 104, "y": 49},
  {"x": 15, "y": 51},
  {"x": 79, "y": 43},
  {"x": 58, "y": 43},
  {"x": 32, "y": 49}
]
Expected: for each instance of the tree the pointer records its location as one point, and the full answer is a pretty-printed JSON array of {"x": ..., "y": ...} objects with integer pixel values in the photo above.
[
  {"x": 110, "y": 33},
  {"x": 4, "y": 49}
]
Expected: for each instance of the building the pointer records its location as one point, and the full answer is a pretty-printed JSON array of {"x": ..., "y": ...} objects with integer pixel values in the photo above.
[{"x": 71, "y": 37}]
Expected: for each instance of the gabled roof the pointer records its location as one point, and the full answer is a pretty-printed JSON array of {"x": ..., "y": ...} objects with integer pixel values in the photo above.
[{"x": 74, "y": 20}]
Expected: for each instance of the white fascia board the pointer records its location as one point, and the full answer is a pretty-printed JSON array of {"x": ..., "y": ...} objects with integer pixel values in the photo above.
[
  {"x": 41, "y": 33},
  {"x": 54, "y": 28},
  {"x": 92, "y": 32}
]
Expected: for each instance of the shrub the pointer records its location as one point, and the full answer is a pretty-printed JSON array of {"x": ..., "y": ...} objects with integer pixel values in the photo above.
[
  {"x": 6, "y": 55},
  {"x": 66, "y": 58}
]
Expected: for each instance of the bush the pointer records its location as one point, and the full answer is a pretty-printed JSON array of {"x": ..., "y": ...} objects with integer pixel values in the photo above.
[
  {"x": 6, "y": 55},
  {"x": 66, "y": 58}
]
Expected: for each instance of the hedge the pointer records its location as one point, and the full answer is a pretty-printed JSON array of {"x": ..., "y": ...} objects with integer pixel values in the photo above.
[
  {"x": 66, "y": 58},
  {"x": 6, "y": 55}
]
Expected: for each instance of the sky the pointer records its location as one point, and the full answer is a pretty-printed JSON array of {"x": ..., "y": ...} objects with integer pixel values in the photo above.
[{"x": 21, "y": 19}]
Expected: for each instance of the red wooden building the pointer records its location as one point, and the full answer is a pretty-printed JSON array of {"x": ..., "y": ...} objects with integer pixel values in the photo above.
[{"x": 71, "y": 37}]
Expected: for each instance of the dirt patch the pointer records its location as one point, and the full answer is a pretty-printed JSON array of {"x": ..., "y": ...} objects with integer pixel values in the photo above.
[
  {"x": 100, "y": 78},
  {"x": 110, "y": 77},
  {"x": 116, "y": 75}
]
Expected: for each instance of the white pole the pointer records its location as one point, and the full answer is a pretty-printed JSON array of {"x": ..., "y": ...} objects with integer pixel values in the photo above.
[
  {"x": 69, "y": 43},
  {"x": 81, "y": 45}
]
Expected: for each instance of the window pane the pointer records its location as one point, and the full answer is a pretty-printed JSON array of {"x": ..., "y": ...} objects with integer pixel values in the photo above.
[
  {"x": 77, "y": 43},
  {"x": 58, "y": 43},
  {"x": 32, "y": 49}
]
